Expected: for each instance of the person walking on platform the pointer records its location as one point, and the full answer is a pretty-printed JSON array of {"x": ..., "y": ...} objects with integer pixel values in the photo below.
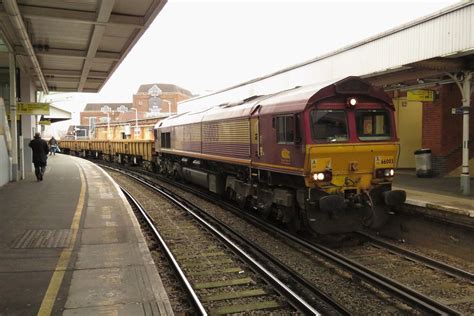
[
  {"x": 40, "y": 155},
  {"x": 53, "y": 146}
]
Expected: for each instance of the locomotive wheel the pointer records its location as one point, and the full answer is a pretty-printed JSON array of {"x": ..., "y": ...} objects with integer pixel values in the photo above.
[
  {"x": 230, "y": 194},
  {"x": 295, "y": 224},
  {"x": 266, "y": 211}
]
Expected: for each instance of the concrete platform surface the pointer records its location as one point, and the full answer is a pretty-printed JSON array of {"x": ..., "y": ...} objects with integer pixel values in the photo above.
[
  {"x": 71, "y": 245},
  {"x": 439, "y": 193}
]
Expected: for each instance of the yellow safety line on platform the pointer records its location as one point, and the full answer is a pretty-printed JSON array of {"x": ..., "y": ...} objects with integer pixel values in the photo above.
[{"x": 63, "y": 262}]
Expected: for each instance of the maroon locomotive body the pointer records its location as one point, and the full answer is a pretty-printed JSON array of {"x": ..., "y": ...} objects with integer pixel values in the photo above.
[{"x": 322, "y": 157}]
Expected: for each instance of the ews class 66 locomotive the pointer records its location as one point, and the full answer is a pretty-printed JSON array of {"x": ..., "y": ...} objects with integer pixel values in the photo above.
[{"x": 317, "y": 157}]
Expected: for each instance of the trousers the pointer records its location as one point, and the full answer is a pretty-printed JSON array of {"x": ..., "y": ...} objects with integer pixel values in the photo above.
[{"x": 40, "y": 168}]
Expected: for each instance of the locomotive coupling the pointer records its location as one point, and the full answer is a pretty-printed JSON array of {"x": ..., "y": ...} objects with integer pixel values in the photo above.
[{"x": 395, "y": 197}]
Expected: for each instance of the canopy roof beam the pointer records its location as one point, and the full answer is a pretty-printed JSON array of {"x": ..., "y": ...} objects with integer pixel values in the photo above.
[
  {"x": 103, "y": 16},
  {"x": 13, "y": 12}
]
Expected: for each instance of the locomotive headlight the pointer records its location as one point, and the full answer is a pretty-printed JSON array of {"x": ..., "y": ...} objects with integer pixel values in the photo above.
[
  {"x": 351, "y": 102},
  {"x": 318, "y": 176},
  {"x": 388, "y": 172}
]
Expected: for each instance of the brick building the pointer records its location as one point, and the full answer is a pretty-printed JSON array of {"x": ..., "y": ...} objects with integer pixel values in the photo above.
[
  {"x": 94, "y": 111},
  {"x": 157, "y": 98},
  {"x": 151, "y": 100}
]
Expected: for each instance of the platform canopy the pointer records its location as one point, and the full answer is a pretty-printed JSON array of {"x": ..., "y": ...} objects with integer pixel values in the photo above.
[
  {"x": 57, "y": 115},
  {"x": 72, "y": 46},
  {"x": 432, "y": 50}
]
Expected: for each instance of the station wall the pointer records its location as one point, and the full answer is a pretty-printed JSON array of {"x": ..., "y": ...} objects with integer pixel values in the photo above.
[{"x": 442, "y": 130}]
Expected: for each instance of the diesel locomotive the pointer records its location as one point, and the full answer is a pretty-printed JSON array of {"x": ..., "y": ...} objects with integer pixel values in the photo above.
[
  {"x": 319, "y": 158},
  {"x": 316, "y": 157}
]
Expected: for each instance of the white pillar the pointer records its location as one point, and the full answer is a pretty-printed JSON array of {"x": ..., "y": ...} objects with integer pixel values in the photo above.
[
  {"x": 13, "y": 122},
  {"x": 466, "y": 104},
  {"x": 28, "y": 122}
]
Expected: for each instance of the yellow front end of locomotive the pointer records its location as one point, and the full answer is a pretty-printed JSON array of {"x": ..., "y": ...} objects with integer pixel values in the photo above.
[{"x": 336, "y": 168}]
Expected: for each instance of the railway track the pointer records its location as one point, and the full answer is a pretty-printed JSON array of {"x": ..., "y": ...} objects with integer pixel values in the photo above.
[
  {"x": 413, "y": 298},
  {"x": 217, "y": 280},
  {"x": 449, "y": 285}
]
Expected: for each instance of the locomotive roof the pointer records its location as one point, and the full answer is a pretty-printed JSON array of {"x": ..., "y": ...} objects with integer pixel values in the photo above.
[{"x": 292, "y": 100}]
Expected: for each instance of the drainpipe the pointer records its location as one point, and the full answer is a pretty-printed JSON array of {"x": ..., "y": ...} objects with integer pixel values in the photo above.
[{"x": 14, "y": 14}]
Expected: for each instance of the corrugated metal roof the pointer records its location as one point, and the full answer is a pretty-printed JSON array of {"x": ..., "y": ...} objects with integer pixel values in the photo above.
[
  {"x": 78, "y": 44},
  {"x": 445, "y": 38}
]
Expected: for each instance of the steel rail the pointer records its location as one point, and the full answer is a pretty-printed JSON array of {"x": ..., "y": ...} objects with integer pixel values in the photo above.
[
  {"x": 389, "y": 285},
  {"x": 184, "y": 280},
  {"x": 294, "y": 298},
  {"x": 294, "y": 275},
  {"x": 432, "y": 263}
]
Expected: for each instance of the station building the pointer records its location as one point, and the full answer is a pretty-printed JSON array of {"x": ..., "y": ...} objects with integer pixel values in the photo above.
[
  {"x": 151, "y": 100},
  {"x": 157, "y": 98},
  {"x": 49, "y": 45},
  {"x": 424, "y": 65},
  {"x": 78, "y": 45}
]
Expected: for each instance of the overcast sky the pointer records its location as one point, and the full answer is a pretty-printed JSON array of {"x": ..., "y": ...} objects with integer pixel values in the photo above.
[{"x": 209, "y": 45}]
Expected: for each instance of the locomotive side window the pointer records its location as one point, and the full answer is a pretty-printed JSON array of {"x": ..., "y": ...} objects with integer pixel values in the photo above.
[
  {"x": 166, "y": 140},
  {"x": 373, "y": 125},
  {"x": 285, "y": 129},
  {"x": 329, "y": 125}
]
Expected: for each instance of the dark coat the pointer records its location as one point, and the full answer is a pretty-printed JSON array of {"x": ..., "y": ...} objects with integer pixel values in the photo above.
[{"x": 40, "y": 150}]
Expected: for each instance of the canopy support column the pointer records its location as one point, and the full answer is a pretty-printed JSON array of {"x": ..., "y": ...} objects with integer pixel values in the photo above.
[
  {"x": 13, "y": 121},
  {"x": 466, "y": 104}
]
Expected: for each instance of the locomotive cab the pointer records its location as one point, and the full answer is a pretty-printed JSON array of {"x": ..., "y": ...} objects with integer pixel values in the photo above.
[{"x": 351, "y": 158}]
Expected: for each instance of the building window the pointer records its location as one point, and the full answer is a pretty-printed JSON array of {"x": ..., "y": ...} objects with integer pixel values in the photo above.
[{"x": 285, "y": 129}]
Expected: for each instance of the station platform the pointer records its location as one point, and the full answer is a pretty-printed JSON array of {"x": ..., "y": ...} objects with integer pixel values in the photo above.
[
  {"x": 71, "y": 245},
  {"x": 441, "y": 194}
]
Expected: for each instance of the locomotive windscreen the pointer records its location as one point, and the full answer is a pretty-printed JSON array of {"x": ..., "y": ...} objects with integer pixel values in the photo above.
[
  {"x": 329, "y": 125},
  {"x": 373, "y": 124}
]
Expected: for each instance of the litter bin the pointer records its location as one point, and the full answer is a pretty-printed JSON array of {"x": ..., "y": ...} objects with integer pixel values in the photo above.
[{"x": 423, "y": 163}]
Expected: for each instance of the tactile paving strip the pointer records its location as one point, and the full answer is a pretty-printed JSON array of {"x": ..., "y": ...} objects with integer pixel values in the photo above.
[{"x": 43, "y": 238}]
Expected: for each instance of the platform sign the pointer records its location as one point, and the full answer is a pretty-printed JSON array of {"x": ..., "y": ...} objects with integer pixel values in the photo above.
[
  {"x": 26, "y": 108},
  {"x": 459, "y": 110},
  {"x": 45, "y": 122},
  {"x": 420, "y": 95}
]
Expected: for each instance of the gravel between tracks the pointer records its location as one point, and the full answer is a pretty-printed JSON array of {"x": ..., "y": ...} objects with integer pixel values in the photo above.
[
  {"x": 458, "y": 294},
  {"x": 437, "y": 255},
  {"x": 357, "y": 296},
  {"x": 161, "y": 210}
]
